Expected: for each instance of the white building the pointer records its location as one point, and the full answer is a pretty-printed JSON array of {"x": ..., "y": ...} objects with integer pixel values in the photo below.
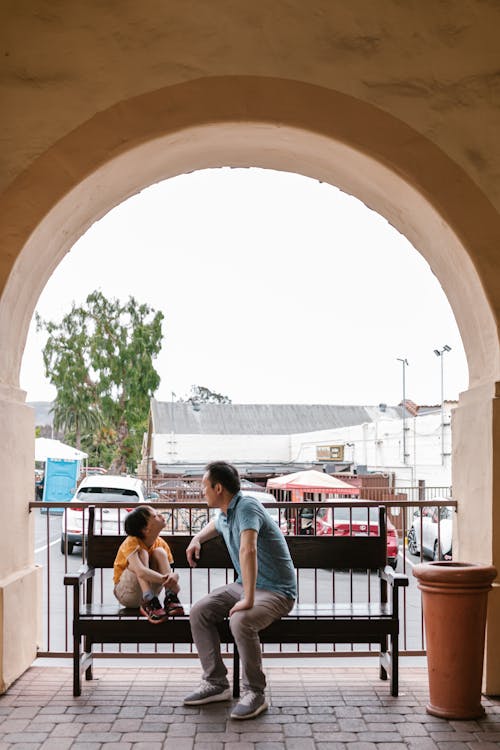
[
  {"x": 182, "y": 438},
  {"x": 424, "y": 453}
]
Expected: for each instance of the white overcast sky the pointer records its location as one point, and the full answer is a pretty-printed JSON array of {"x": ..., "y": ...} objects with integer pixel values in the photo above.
[{"x": 275, "y": 289}]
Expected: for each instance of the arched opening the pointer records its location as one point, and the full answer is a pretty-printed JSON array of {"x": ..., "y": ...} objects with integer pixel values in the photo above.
[
  {"x": 312, "y": 268},
  {"x": 269, "y": 123}
]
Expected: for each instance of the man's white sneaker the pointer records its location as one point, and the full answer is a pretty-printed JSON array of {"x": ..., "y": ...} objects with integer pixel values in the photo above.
[
  {"x": 251, "y": 705},
  {"x": 208, "y": 693}
]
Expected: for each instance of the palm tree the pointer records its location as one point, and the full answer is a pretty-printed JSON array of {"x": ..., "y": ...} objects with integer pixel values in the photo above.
[{"x": 73, "y": 414}]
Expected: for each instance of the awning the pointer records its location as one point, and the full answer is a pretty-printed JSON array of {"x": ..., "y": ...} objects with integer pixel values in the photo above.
[
  {"x": 46, "y": 448},
  {"x": 313, "y": 481}
]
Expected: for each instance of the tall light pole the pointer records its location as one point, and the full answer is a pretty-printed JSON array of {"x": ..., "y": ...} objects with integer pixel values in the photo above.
[
  {"x": 404, "y": 363},
  {"x": 172, "y": 430},
  {"x": 440, "y": 353}
]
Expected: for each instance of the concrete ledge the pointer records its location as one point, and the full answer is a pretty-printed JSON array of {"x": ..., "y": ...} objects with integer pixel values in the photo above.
[{"x": 20, "y": 622}]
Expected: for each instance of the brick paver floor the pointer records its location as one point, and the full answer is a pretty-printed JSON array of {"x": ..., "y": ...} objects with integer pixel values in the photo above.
[{"x": 140, "y": 707}]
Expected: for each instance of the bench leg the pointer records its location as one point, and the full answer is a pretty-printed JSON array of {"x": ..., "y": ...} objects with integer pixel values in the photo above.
[
  {"x": 77, "y": 684},
  {"x": 395, "y": 665},
  {"x": 383, "y": 657},
  {"x": 236, "y": 672},
  {"x": 88, "y": 658}
]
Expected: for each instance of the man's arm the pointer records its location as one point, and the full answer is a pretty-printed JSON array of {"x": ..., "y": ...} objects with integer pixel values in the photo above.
[
  {"x": 248, "y": 565},
  {"x": 193, "y": 550}
]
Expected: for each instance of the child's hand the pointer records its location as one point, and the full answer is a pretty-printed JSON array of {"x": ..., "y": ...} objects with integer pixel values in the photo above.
[{"x": 170, "y": 581}]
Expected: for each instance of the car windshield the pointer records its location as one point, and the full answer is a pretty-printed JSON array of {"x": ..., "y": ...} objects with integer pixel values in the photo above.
[
  {"x": 346, "y": 514},
  {"x": 107, "y": 495}
]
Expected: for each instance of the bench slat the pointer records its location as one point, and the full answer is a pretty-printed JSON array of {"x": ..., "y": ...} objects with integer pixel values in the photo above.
[
  {"x": 287, "y": 630},
  {"x": 308, "y": 552},
  {"x": 313, "y": 611}
]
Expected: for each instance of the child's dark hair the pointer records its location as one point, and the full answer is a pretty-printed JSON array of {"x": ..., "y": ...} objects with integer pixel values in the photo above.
[{"x": 136, "y": 521}]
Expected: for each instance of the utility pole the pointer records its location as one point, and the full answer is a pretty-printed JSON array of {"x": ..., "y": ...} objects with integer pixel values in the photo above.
[
  {"x": 172, "y": 450},
  {"x": 440, "y": 353},
  {"x": 404, "y": 363}
]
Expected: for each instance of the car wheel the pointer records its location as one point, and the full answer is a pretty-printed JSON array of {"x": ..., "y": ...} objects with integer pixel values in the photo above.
[
  {"x": 435, "y": 552},
  {"x": 393, "y": 563},
  {"x": 412, "y": 542},
  {"x": 63, "y": 546}
]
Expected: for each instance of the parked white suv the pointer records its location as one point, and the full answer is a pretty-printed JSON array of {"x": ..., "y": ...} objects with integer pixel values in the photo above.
[
  {"x": 432, "y": 532},
  {"x": 104, "y": 488}
]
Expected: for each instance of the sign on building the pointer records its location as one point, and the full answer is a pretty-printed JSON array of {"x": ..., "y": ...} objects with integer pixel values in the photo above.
[{"x": 329, "y": 452}]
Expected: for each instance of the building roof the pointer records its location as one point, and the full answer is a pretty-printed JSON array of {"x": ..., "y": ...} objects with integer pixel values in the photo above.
[{"x": 260, "y": 419}]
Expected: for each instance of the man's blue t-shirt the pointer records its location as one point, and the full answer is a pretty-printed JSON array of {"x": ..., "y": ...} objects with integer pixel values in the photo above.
[{"x": 275, "y": 571}]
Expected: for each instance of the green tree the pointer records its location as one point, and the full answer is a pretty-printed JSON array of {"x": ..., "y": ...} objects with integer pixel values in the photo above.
[
  {"x": 67, "y": 365},
  {"x": 200, "y": 394},
  {"x": 76, "y": 418},
  {"x": 101, "y": 448},
  {"x": 100, "y": 359}
]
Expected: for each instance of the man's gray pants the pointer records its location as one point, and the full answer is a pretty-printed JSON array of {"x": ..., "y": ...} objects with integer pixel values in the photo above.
[{"x": 245, "y": 626}]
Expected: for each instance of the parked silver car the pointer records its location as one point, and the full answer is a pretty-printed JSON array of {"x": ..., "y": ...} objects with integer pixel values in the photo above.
[{"x": 432, "y": 532}]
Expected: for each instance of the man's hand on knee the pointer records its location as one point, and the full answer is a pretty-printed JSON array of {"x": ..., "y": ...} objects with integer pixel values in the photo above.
[{"x": 241, "y": 605}]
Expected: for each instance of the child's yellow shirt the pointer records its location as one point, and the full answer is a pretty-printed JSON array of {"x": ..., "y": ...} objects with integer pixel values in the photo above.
[{"x": 128, "y": 547}]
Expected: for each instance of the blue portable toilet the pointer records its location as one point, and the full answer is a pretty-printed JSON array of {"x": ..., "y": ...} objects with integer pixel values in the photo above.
[
  {"x": 61, "y": 470},
  {"x": 60, "y": 481}
]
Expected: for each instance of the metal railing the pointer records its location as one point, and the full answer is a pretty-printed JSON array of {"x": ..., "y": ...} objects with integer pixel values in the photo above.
[{"x": 414, "y": 522}]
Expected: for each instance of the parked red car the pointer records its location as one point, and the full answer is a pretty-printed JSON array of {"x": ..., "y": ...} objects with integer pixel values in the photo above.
[{"x": 354, "y": 522}]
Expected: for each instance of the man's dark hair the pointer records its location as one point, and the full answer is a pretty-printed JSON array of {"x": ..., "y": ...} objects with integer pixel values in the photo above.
[
  {"x": 136, "y": 521},
  {"x": 220, "y": 472}
]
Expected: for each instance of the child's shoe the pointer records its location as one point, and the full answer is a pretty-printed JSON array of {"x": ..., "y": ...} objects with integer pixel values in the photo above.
[
  {"x": 153, "y": 610},
  {"x": 172, "y": 605}
]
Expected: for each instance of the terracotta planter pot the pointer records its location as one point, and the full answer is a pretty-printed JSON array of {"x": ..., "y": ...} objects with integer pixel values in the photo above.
[{"x": 454, "y": 600}]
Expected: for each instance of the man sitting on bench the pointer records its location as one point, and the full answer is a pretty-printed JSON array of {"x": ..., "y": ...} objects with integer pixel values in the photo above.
[{"x": 265, "y": 590}]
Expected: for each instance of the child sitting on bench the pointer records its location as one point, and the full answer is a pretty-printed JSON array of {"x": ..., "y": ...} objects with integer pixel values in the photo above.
[{"x": 142, "y": 567}]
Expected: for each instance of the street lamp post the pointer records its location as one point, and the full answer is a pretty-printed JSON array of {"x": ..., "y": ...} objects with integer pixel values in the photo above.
[
  {"x": 172, "y": 450},
  {"x": 440, "y": 353},
  {"x": 353, "y": 459},
  {"x": 404, "y": 363}
]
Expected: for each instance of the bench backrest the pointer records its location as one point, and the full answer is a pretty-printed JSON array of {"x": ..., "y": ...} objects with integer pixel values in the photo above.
[{"x": 330, "y": 552}]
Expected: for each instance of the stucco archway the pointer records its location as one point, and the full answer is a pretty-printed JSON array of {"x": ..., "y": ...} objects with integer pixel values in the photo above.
[{"x": 279, "y": 124}]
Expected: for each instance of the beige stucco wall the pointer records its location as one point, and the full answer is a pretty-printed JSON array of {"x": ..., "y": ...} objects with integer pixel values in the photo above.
[
  {"x": 394, "y": 102},
  {"x": 432, "y": 65},
  {"x": 20, "y": 579}
]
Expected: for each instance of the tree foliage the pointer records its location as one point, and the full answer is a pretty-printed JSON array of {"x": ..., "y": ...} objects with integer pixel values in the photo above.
[
  {"x": 201, "y": 394},
  {"x": 100, "y": 359}
]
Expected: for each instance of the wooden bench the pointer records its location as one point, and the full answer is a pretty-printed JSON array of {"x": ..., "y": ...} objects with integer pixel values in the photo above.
[{"x": 373, "y": 620}]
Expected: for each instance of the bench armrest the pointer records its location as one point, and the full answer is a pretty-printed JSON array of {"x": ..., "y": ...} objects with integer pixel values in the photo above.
[
  {"x": 76, "y": 579},
  {"x": 393, "y": 578}
]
